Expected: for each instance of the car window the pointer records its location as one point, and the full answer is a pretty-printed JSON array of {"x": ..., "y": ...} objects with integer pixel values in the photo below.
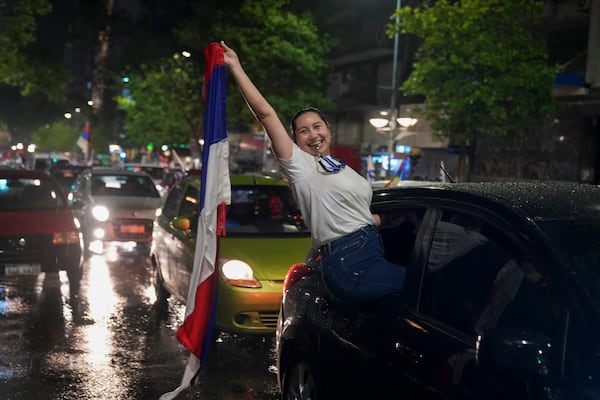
[
  {"x": 578, "y": 239},
  {"x": 29, "y": 194},
  {"x": 171, "y": 206},
  {"x": 476, "y": 280},
  {"x": 189, "y": 205},
  {"x": 398, "y": 233},
  {"x": 156, "y": 173},
  {"x": 263, "y": 210},
  {"x": 581, "y": 357},
  {"x": 254, "y": 210},
  {"x": 123, "y": 185}
]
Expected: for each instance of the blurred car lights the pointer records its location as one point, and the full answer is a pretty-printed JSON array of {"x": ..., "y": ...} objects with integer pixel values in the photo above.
[
  {"x": 101, "y": 213},
  {"x": 68, "y": 237},
  {"x": 99, "y": 233}
]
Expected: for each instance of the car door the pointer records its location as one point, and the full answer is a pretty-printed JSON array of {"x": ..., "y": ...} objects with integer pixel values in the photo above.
[
  {"x": 475, "y": 276},
  {"x": 184, "y": 242},
  {"x": 164, "y": 235}
]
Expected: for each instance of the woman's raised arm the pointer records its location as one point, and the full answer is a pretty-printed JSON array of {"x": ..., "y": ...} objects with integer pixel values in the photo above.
[{"x": 263, "y": 111}]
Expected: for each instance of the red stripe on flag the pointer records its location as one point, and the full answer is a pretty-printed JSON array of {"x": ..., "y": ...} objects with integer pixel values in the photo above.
[{"x": 195, "y": 327}]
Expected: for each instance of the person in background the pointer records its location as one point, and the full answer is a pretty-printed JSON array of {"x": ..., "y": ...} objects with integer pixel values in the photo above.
[{"x": 334, "y": 199}]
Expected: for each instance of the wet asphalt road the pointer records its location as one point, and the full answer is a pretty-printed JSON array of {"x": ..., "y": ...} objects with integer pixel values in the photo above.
[{"x": 113, "y": 342}]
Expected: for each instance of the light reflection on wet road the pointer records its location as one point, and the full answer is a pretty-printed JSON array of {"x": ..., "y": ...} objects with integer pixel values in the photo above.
[{"x": 111, "y": 342}]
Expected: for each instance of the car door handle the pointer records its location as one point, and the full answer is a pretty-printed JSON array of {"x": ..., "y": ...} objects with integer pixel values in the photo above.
[
  {"x": 408, "y": 353},
  {"x": 401, "y": 348}
]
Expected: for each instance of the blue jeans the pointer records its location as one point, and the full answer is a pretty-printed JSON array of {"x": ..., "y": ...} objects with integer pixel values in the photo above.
[{"x": 355, "y": 271}]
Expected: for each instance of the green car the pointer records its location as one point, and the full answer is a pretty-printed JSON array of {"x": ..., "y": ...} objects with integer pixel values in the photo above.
[{"x": 265, "y": 236}]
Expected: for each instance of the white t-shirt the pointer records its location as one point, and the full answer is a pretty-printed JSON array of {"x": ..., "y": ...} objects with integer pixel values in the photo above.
[{"x": 333, "y": 204}]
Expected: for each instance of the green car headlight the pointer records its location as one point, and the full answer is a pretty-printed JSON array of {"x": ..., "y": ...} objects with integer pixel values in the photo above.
[{"x": 238, "y": 273}]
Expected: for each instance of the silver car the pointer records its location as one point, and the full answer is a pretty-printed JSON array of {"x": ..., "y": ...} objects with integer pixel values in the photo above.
[{"x": 115, "y": 205}]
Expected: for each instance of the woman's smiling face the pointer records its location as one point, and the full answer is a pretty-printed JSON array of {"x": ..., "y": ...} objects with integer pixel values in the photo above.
[{"x": 312, "y": 133}]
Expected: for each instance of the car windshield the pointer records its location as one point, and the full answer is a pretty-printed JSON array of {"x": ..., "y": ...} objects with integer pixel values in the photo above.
[
  {"x": 263, "y": 210},
  {"x": 578, "y": 238},
  {"x": 157, "y": 173},
  {"x": 124, "y": 185},
  {"x": 29, "y": 194},
  {"x": 254, "y": 211}
]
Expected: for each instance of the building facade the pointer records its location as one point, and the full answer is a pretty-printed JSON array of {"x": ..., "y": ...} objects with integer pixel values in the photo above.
[{"x": 360, "y": 83}]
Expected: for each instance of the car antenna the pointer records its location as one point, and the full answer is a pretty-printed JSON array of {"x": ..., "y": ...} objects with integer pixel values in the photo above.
[{"x": 445, "y": 172}]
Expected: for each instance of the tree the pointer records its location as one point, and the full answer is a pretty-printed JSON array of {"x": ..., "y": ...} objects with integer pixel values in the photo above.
[
  {"x": 482, "y": 67},
  {"x": 163, "y": 102},
  {"x": 57, "y": 136},
  {"x": 21, "y": 64},
  {"x": 282, "y": 51}
]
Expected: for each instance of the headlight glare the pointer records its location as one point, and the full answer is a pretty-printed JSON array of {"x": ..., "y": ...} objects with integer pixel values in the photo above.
[
  {"x": 100, "y": 213},
  {"x": 238, "y": 273}
]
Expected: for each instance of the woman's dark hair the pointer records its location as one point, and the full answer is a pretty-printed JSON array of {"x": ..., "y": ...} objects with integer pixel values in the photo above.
[{"x": 304, "y": 111}]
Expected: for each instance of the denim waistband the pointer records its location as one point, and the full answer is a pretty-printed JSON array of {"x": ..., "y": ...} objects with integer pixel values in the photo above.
[{"x": 328, "y": 248}]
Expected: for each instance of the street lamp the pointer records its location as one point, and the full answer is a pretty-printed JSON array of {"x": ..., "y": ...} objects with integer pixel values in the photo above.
[{"x": 379, "y": 123}]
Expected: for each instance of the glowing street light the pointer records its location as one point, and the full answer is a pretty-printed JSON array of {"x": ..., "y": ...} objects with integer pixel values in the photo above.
[
  {"x": 407, "y": 122},
  {"x": 378, "y": 122}
]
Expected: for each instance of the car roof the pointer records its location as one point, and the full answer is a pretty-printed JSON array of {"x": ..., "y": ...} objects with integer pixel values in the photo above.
[
  {"x": 57, "y": 167},
  {"x": 245, "y": 180},
  {"x": 144, "y": 165},
  {"x": 24, "y": 173},
  {"x": 115, "y": 171},
  {"x": 539, "y": 200}
]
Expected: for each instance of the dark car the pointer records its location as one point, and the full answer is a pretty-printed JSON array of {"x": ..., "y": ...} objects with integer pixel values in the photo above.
[
  {"x": 115, "y": 206},
  {"x": 65, "y": 175},
  {"x": 37, "y": 230},
  {"x": 501, "y": 301}
]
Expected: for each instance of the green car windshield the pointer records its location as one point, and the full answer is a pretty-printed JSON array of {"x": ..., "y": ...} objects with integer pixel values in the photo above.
[
  {"x": 263, "y": 210},
  {"x": 255, "y": 210}
]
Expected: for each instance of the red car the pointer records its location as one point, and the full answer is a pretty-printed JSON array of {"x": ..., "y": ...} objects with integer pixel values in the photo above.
[{"x": 37, "y": 230}]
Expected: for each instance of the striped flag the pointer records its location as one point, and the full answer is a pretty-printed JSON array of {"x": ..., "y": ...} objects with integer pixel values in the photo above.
[
  {"x": 215, "y": 192},
  {"x": 85, "y": 140}
]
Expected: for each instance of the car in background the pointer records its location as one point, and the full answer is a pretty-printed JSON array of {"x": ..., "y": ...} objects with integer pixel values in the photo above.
[
  {"x": 115, "y": 205},
  {"x": 159, "y": 174},
  {"x": 501, "y": 301},
  {"x": 38, "y": 232},
  {"x": 65, "y": 175},
  {"x": 43, "y": 161},
  {"x": 265, "y": 233}
]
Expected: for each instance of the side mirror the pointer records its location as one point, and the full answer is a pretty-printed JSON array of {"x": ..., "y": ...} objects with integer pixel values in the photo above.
[
  {"x": 181, "y": 223},
  {"x": 517, "y": 352}
]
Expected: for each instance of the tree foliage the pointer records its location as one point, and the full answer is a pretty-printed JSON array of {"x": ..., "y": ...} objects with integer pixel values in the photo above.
[
  {"x": 482, "y": 66},
  {"x": 21, "y": 65},
  {"x": 165, "y": 101},
  {"x": 282, "y": 51},
  {"x": 57, "y": 136}
]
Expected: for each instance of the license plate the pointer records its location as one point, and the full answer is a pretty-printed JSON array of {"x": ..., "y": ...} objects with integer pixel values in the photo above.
[
  {"x": 132, "y": 228},
  {"x": 22, "y": 269}
]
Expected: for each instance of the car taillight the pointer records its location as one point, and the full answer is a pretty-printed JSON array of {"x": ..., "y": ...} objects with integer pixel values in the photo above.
[
  {"x": 69, "y": 237},
  {"x": 295, "y": 273}
]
